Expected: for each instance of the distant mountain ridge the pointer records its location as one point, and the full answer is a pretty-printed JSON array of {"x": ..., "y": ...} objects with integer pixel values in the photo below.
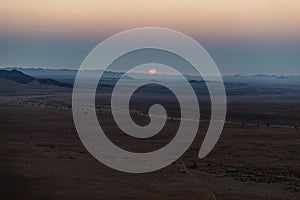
[
  {"x": 234, "y": 84},
  {"x": 42, "y": 72},
  {"x": 22, "y": 78}
]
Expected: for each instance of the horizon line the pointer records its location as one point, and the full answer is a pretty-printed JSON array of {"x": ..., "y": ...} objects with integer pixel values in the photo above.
[{"x": 74, "y": 69}]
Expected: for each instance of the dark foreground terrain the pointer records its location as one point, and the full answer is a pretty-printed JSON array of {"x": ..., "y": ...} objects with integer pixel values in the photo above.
[
  {"x": 257, "y": 156},
  {"x": 42, "y": 156}
]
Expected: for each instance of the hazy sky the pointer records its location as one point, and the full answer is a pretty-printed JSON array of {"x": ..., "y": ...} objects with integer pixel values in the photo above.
[{"x": 242, "y": 36}]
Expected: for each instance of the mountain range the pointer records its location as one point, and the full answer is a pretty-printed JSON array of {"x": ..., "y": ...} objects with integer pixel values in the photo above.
[
  {"x": 20, "y": 77},
  {"x": 71, "y": 74}
]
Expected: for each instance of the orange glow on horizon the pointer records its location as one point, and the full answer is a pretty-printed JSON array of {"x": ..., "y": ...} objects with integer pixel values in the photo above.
[{"x": 207, "y": 18}]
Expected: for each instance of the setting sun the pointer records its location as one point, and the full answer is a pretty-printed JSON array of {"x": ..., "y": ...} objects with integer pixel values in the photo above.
[{"x": 152, "y": 71}]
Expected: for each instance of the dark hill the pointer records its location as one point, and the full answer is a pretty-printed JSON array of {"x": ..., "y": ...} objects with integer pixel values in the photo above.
[{"x": 20, "y": 77}]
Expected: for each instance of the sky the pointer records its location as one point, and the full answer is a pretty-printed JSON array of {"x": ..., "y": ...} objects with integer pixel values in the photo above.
[{"x": 245, "y": 37}]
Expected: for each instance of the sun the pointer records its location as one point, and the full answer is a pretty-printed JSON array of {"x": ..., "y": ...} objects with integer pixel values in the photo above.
[{"x": 152, "y": 71}]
